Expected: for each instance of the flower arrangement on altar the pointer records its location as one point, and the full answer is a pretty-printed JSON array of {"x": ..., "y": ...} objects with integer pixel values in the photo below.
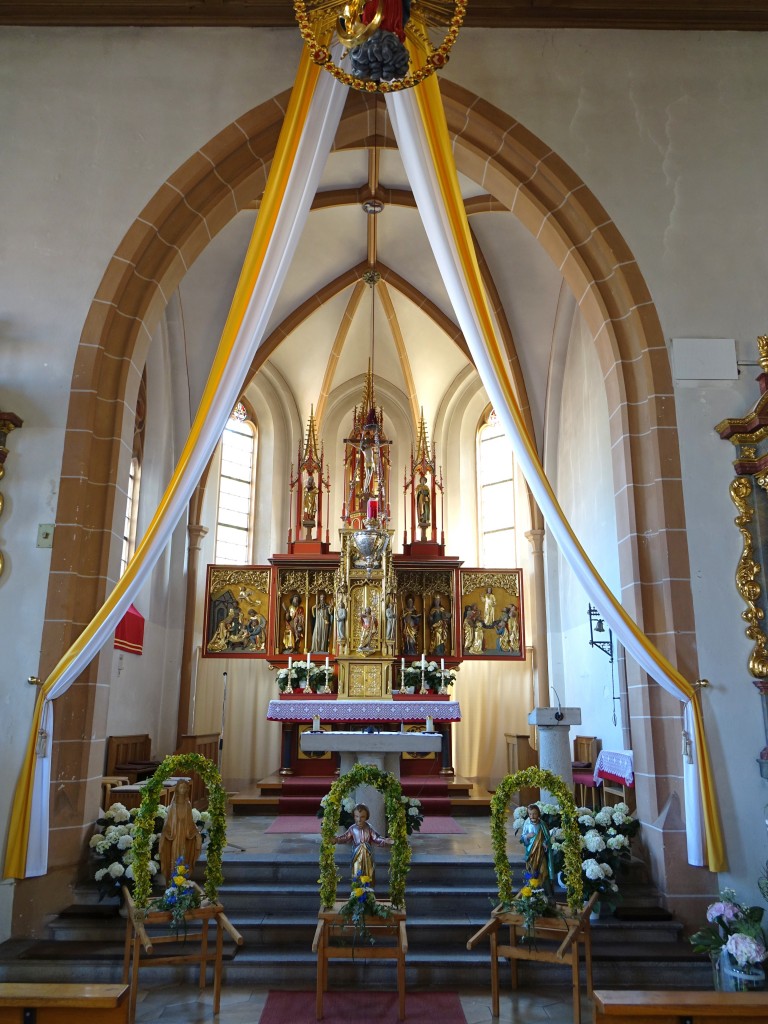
[
  {"x": 113, "y": 847},
  {"x": 179, "y": 897},
  {"x": 733, "y": 937},
  {"x": 435, "y": 679},
  {"x": 605, "y": 838},
  {"x": 296, "y": 675},
  {"x": 362, "y": 904}
]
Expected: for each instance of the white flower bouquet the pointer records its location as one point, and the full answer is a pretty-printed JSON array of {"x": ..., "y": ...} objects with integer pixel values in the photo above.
[{"x": 112, "y": 846}]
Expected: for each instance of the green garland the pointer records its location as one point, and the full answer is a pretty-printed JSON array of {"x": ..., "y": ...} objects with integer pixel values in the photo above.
[
  {"x": 400, "y": 859},
  {"x": 145, "y": 820},
  {"x": 571, "y": 845}
]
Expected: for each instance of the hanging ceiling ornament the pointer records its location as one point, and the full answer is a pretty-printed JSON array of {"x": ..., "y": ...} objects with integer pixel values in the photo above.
[{"x": 376, "y": 35}]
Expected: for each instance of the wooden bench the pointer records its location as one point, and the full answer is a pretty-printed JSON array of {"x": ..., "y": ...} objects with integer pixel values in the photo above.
[
  {"x": 678, "y": 1007},
  {"x": 130, "y": 756},
  {"x": 37, "y": 1003}
]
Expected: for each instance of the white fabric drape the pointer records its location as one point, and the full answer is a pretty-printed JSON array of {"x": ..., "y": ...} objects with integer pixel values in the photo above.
[
  {"x": 319, "y": 131},
  {"x": 422, "y": 175}
]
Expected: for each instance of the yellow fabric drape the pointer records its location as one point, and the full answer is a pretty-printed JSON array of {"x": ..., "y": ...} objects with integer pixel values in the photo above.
[
  {"x": 290, "y": 135},
  {"x": 436, "y": 130}
]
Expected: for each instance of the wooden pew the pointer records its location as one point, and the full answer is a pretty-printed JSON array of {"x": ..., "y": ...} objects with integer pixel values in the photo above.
[
  {"x": 62, "y": 1004},
  {"x": 206, "y": 744},
  {"x": 130, "y": 756},
  {"x": 678, "y": 1007}
]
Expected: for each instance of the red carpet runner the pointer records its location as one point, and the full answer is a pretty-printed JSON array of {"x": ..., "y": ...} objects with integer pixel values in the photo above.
[
  {"x": 301, "y": 794},
  {"x": 345, "y": 1007}
]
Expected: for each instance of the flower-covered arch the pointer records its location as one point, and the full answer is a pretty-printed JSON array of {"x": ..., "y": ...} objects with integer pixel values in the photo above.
[
  {"x": 510, "y": 784},
  {"x": 217, "y": 829},
  {"x": 400, "y": 858}
]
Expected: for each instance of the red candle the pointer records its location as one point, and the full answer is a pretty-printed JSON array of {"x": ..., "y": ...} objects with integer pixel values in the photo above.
[{"x": 373, "y": 508}]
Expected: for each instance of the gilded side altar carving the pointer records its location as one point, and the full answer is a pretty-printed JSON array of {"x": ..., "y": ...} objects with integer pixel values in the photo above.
[
  {"x": 747, "y": 571},
  {"x": 237, "y": 610}
]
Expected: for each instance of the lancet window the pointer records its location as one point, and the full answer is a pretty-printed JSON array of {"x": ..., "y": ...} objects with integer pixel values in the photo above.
[{"x": 234, "y": 517}]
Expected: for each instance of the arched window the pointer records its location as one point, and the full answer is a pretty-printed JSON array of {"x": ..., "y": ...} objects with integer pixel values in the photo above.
[
  {"x": 134, "y": 477},
  {"x": 234, "y": 518},
  {"x": 496, "y": 494}
]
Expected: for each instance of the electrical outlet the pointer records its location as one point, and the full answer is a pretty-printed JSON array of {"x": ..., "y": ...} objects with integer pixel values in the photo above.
[{"x": 45, "y": 535}]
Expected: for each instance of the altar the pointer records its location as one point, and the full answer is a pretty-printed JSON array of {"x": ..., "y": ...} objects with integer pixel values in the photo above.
[
  {"x": 381, "y": 749},
  {"x": 388, "y": 717}
]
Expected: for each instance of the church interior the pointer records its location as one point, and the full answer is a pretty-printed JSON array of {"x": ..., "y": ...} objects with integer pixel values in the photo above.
[{"x": 610, "y": 163}]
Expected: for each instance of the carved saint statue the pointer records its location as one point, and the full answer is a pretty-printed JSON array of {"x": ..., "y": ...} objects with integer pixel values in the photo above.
[
  {"x": 341, "y": 621},
  {"x": 368, "y": 624},
  {"x": 363, "y": 838},
  {"x": 423, "y": 504},
  {"x": 390, "y": 615},
  {"x": 180, "y": 836},
  {"x": 322, "y": 614},
  {"x": 438, "y": 619},
  {"x": 410, "y": 620},
  {"x": 294, "y": 624},
  {"x": 489, "y": 606},
  {"x": 309, "y": 514}
]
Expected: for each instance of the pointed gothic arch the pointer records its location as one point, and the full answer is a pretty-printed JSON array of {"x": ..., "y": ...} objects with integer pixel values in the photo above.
[{"x": 518, "y": 171}]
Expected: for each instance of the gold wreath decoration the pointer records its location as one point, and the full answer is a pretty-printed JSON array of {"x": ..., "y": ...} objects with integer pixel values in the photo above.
[{"x": 318, "y": 20}]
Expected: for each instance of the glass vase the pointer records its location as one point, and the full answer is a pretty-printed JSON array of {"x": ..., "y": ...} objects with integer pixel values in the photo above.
[{"x": 749, "y": 978}]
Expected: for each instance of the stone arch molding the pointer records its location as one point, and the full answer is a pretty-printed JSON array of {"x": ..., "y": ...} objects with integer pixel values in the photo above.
[{"x": 221, "y": 179}]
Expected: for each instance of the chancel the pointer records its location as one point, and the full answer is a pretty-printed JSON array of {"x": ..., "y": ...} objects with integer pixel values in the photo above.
[{"x": 359, "y": 350}]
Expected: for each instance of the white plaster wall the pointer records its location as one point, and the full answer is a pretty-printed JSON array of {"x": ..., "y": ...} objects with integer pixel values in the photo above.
[{"x": 584, "y": 484}]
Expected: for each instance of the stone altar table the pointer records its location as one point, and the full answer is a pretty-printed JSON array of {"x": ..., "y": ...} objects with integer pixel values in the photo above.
[{"x": 382, "y": 749}]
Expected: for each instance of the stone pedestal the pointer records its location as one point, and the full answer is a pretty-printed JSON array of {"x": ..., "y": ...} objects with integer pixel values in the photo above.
[
  {"x": 554, "y": 742},
  {"x": 382, "y": 749}
]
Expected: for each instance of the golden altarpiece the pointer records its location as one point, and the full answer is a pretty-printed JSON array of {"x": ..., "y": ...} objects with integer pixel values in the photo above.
[{"x": 364, "y": 623}]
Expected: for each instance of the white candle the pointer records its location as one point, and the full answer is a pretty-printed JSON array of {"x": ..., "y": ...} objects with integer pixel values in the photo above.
[
  {"x": 430, "y": 725},
  {"x": 309, "y": 658},
  {"x": 402, "y": 666},
  {"x": 290, "y": 665},
  {"x": 423, "y": 659},
  {"x": 442, "y": 664},
  {"x": 316, "y": 723},
  {"x": 327, "y": 662}
]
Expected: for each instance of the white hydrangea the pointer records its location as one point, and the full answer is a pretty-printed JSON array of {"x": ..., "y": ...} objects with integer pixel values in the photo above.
[
  {"x": 129, "y": 871},
  {"x": 154, "y": 867},
  {"x": 603, "y": 817},
  {"x": 622, "y": 807},
  {"x": 556, "y": 847},
  {"x": 205, "y": 817},
  {"x": 617, "y": 842},
  {"x": 582, "y": 810},
  {"x": 125, "y": 842},
  {"x": 593, "y": 841},
  {"x": 100, "y": 874},
  {"x": 348, "y": 803},
  {"x": 557, "y": 835},
  {"x": 587, "y": 820},
  {"x": 195, "y": 815},
  {"x": 414, "y": 802},
  {"x": 619, "y": 817},
  {"x": 103, "y": 846},
  {"x": 116, "y": 870},
  {"x": 592, "y": 870},
  {"x": 548, "y": 808},
  {"x": 413, "y": 811},
  {"x": 161, "y": 812},
  {"x": 118, "y": 812},
  {"x": 128, "y": 857},
  {"x": 520, "y": 813},
  {"x": 403, "y": 799},
  {"x": 95, "y": 840}
]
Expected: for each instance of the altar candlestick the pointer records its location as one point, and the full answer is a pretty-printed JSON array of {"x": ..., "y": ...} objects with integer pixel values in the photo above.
[
  {"x": 423, "y": 659},
  {"x": 309, "y": 658},
  {"x": 430, "y": 725},
  {"x": 290, "y": 665},
  {"x": 327, "y": 662},
  {"x": 442, "y": 664},
  {"x": 316, "y": 723}
]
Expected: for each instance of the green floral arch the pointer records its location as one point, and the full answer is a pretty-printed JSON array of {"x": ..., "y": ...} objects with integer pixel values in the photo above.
[
  {"x": 510, "y": 784},
  {"x": 145, "y": 820},
  {"x": 400, "y": 859}
]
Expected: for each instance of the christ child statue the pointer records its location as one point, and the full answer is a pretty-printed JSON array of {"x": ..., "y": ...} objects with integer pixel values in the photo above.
[{"x": 364, "y": 838}]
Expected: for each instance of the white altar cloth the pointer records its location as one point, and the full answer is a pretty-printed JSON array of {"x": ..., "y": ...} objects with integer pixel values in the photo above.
[
  {"x": 356, "y": 711},
  {"x": 615, "y": 765}
]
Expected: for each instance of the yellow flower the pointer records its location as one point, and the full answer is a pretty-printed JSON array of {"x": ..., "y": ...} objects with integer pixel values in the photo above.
[
  {"x": 526, "y": 891},
  {"x": 179, "y": 880},
  {"x": 534, "y": 883},
  {"x": 358, "y": 892},
  {"x": 365, "y": 879}
]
